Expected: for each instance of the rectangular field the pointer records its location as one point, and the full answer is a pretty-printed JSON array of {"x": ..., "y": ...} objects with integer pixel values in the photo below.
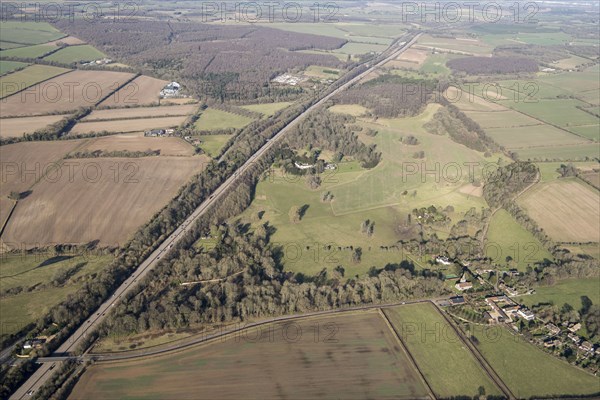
[
  {"x": 24, "y": 163},
  {"x": 64, "y": 93},
  {"x": 16, "y": 127},
  {"x": 9, "y": 66},
  {"x": 527, "y": 370},
  {"x": 533, "y": 136},
  {"x": 107, "y": 199},
  {"x": 143, "y": 90},
  {"x": 28, "y": 32},
  {"x": 501, "y": 119},
  {"x": 35, "y": 51},
  {"x": 73, "y": 54},
  {"x": 25, "y": 78},
  {"x": 566, "y": 209},
  {"x": 168, "y": 146},
  {"x": 212, "y": 144},
  {"x": 566, "y": 152},
  {"x": 355, "y": 356},
  {"x": 40, "y": 276},
  {"x": 507, "y": 238},
  {"x": 448, "y": 366},
  {"x": 267, "y": 109},
  {"x": 140, "y": 112},
  {"x": 565, "y": 291},
  {"x": 212, "y": 119},
  {"x": 128, "y": 125}
]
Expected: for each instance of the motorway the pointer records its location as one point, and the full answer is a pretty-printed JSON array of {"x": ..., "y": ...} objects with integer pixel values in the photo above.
[{"x": 43, "y": 373}]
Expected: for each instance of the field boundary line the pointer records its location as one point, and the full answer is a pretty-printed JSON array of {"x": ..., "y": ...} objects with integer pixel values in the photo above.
[
  {"x": 478, "y": 356},
  {"x": 406, "y": 351},
  {"x": 37, "y": 83},
  {"x": 8, "y": 217}
]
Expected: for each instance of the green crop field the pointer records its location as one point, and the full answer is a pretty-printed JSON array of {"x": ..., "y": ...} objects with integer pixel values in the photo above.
[
  {"x": 316, "y": 71},
  {"x": 27, "y": 77},
  {"x": 448, "y": 366},
  {"x": 72, "y": 54},
  {"x": 28, "y": 51},
  {"x": 563, "y": 112},
  {"x": 565, "y": 152},
  {"x": 267, "y": 109},
  {"x": 527, "y": 370},
  {"x": 34, "y": 275},
  {"x": 28, "y": 32},
  {"x": 507, "y": 238},
  {"x": 564, "y": 291},
  {"x": 9, "y": 66},
  {"x": 532, "y": 136},
  {"x": 212, "y": 119},
  {"x": 212, "y": 144}
]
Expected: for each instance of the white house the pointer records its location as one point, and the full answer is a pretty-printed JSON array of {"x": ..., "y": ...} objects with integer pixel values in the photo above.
[{"x": 526, "y": 314}]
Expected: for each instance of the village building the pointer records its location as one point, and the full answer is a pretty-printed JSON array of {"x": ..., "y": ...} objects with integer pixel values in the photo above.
[
  {"x": 553, "y": 329},
  {"x": 462, "y": 286},
  {"x": 443, "y": 260},
  {"x": 575, "y": 328},
  {"x": 526, "y": 314}
]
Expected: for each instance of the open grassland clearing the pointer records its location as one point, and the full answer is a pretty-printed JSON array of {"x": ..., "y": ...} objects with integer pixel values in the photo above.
[
  {"x": 564, "y": 291},
  {"x": 328, "y": 231},
  {"x": 458, "y": 45},
  {"x": 355, "y": 110},
  {"x": 10, "y": 66},
  {"x": 435, "y": 64},
  {"x": 354, "y": 356},
  {"x": 549, "y": 170},
  {"x": 140, "y": 112},
  {"x": 64, "y": 93},
  {"x": 25, "y": 32},
  {"x": 29, "y": 76},
  {"x": 267, "y": 109},
  {"x": 571, "y": 62},
  {"x": 67, "y": 40},
  {"x": 44, "y": 279},
  {"x": 168, "y": 146},
  {"x": 589, "y": 131},
  {"x": 448, "y": 366},
  {"x": 566, "y": 209},
  {"x": 527, "y": 370},
  {"x": 36, "y": 51},
  {"x": 107, "y": 199},
  {"x": 506, "y": 238},
  {"x": 73, "y": 54},
  {"x": 212, "y": 144},
  {"x": 16, "y": 127},
  {"x": 213, "y": 119},
  {"x": 411, "y": 59},
  {"x": 316, "y": 71},
  {"x": 128, "y": 125},
  {"x": 356, "y": 48},
  {"x": 143, "y": 90},
  {"x": 18, "y": 158}
]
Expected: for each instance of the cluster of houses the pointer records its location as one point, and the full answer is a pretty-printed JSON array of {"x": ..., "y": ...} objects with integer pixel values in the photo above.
[
  {"x": 556, "y": 338},
  {"x": 102, "y": 61},
  {"x": 171, "y": 90},
  {"x": 504, "y": 309},
  {"x": 159, "y": 132},
  {"x": 289, "y": 79}
]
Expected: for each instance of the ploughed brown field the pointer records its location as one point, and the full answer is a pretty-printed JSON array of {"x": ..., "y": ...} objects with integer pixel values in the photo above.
[
  {"x": 140, "y": 112},
  {"x": 567, "y": 210},
  {"x": 24, "y": 163},
  {"x": 128, "y": 125},
  {"x": 142, "y": 90},
  {"x": 168, "y": 146},
  {"x": 350, "y": 356},
  {"x": 64, "y": 93},
  {"x": 104, "y": 199},
  {"x": 16, "y": 127}
]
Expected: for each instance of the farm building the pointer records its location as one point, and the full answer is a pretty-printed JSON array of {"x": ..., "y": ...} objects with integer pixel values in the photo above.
[
  {"x": 462, "y": 286},
  {"x": 526, "y": 314}
]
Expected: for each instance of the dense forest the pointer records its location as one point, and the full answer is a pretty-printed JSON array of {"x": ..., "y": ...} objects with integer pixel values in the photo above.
[
  {"x": 391, "y": 96},
  {"x": 460, "y": 128},
  {"x": 328, "y": 131},
  {"x": 493, "y": 65},
  {"x": 196, "y": 52}
]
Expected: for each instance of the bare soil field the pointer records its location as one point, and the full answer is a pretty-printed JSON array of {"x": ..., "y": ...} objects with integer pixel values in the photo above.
[
  {"x": 139, "y": 112},
  {"x": 411, "y": 58},
  {"x": 16, "y": 127},
  {"x": 64, "y": 93},
  {"x": 472, "y": 190},
  {"x": 566, "y": 209},
  {"x": 353, "y": 356},
  {"x": 128, "y": 125},
  {"x": 179, "y": 101},
  {"x": 104, "y": 199},
  {"x": 24, "y": 163},
  {"x": 168, "y": 146},
  {"x": 142, "y": 90}
]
